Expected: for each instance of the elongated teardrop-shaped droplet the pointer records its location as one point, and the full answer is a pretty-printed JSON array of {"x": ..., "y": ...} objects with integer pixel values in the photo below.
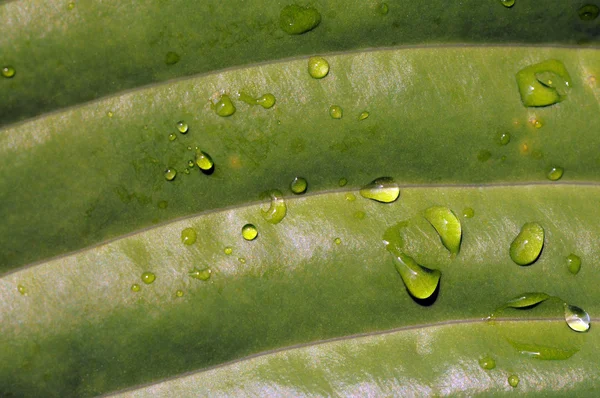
[
  {"x": 204, "y": 161},
  {"x": 224, "y": 107},
  {"x": 527, "y": 246},
  {"x": 487, "y": 363},
  {"x": 188, "y": 236},
  {"x": 545, "y": 92},
  {"x": 336, "y": 112},
  {"x": 363, "y": 116},
  {"x": 577, "y": 318},
  {"x": 299, "y": 185},
  {"x": 507, "y": 3},
  {"x": 573, "y": 263},
  {"x": 382, "y": 189},
  {"x": 8, "y": 71},
  {"x": 22, "y": 290},
  {"x": 182, "y": 127},
  {"x": 295, "y": 19},
  {"x": 277, "y": 209},
  {"x": 513, "y": 381},
  {"x": 526, "y": 300},
  {"x": 266, "y": 100},
  {"x": 170, "y": 174},
  {"x": 148, "y": 277},
  {"x": 249, "y": 232},
  {"x": 201, "y": 274},
  {"x": 543, "y": 352},
  {"x": 555, "y": 173},
  {"x": 420, "y": 281},
  {"x": 588, "y": 12},
  {"x": 318, "y": 67},
  {"x": 447, "y": 226}
]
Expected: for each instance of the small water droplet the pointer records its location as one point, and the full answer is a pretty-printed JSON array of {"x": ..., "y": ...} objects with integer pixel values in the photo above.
[
  {"x": 179, "y": 293},
  {"x": 172, "y": 137},
  {"x": 186, "y": 171},
  {"x": 267, "y": 101},
  {"x": 71, "y": 5},
  {"x": 135, "y": 287},
  {"x": 503, "y": 138},
  {"x": 204, "y": 161},
  {"x": 224, "y": 107},
  {"x": 188, "y": 236},
  {"x": 191, "y": 163},
  {"x": 383, "y": 8},
  {"x": 277, "y": 207},
  {"x": 507, "y": 3},
  {"x": 360, "y": 215},
  {"x": 468, "y": 212},
  {"x": 555, "y": 173},
  {"x": 337, "y": 241},
  {"x": 535, "y": 93},
  {"x": 242, "y": 260},
  {"x": 342, "y": 182},
  {"x": 201, "y": 274},
  {"x": 513, "y": 381},
  {"x": 22, "y": 290},
  {"x": 588, "y": 12},
  {"x": 171, "y": 58},
  {"x": 527, "y": 246},
  {"x": 336, "y": 112},
  {"x": 447, "y": 226},
  {"x": 182, "y": 127},
  {"x": 8, "y": 71},
  {"x": 577, "y": 318},
  {"x": 228, "y": 250},
  {"x": 295, "y": 19},
  {"x": 487, "y": 363},
  {"x": 383, "y": 189},
  {"x": 163, "y": 204},
  {"x": 573, "y": 263},
  {"x": 363, "y": 116},
  {"x": 148, "y": 277},
  {"x": 249, "y": 232},
  {"x": 318, "y": 67},
  {"x": 170, "y": 174},
  {"x": 484, "y": 155},
  {"x": 299, "y": 185},
  {"x": 350, "y": 197},
  {"x": 110, "y": 114}
]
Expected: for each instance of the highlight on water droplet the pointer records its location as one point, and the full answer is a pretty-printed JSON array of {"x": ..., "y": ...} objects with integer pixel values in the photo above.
[
  {"x": 447, "y": 225},
  {"x": 487, "y": 363},
  {"x": 228, "y": 250},
  {"x": 577, "y": 318},
  {"x": 179, "y": 293},
  {"x": 503, "y": 138},
  {"x": 299, "y": 185},
  {"x": 135, "y": 287},
  {"x": 337, "y": 241},
  {"x": 350, "y": 197},
  {"x": 204, "y": 161},
  {"x": 170, "y": 174},
  {"x": 249, "y": 232},
  {"x": 555, "y": 79},
  {"x": 224, "y": 107},
  {"x": 468, "y": 212},
  {"x": 171, "y": 58},
  {"x": 336, "y": 112},
  {"x": 201, "y": 274},
  {"x": 363, "y": 116},
  {"x": 342, "y": 182},
  {"x": 172, "y": 137},
  {"x": 318, "y": 67},
  {"x": 182, "y": 127},
  {"x": 507, "y": 3},
  {"x": 148, "y": 277},
  {"x": 277, "y": 207},
  {"x": 8, "y": 71},
  {"x": 527, "y": 246},
  {"x": 296, "y": 20},
  {"x": 555, "y": 173},
  {"x": 22, "y": 290},
  {"x": 588, "y": 12},
  {"x": 573, "y": 263},
  {"x": 188, "y": 236},
  {"x": 523, "y": 301},
  {"x": 383, "y": 189},
  {"x": 513, "y": 381}
]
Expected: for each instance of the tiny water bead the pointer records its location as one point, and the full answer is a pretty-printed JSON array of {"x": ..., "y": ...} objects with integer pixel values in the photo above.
[
  {"x": 135, "y": 287},
  {"x": 383, "y": 8},
  {"x": 148, "y": 277},
  {"x": 468, "y": 212},
  {"x": 182, "y": 127},
  {"x": 513, "y": 381},
  {"x": 163, "y": 204},
  {"x": 204, "y": 161},
  {"x": 350, "y": 197},
  {"x": 337, "y": 241},
  {"x": 267, "y": 101},
  {"x": 527, "y": 246},
  {"x": 299, "y": 185},
  {"x": 171, "y": 58},
  {"x": 172, "y": 137},
  {"x": 383, "y": 189},
  {"x": 191, "y": 163},
  {"x": 318, "y": 67},
  {"x": 363, "y": 116},
  {"x": 487, "y": 363},
  {"x": 588, "y": 12},
  {"x": 555, "y": 173},
  {"x": 503, "y": 138},
  {"x": 484, "y": 155},
  {"x": 535, "y": 122},
  {"x": 228, "y": 250},
  {"x": 573, "y": 263},
  {"x": 277, "y": 208},
  {"x": 249, "y": 232},
  {"x": 224, "y": 107},
  {"x": 188, "y": 236},
  {"x": 8, "y": 71},
  {"x": 22, "y": 290},
  {"x": 296, "y": 20},
  {"x": 179, "y": 293},
  {"x": 336, "y": 112},
  {"x": 447, "y": 225},
  {"x": 170, "y": 174},
  {"x": 242, "y": 260},
  {"x": 577, "y": 319},
  {"x": 110, "y": 114},
  {"x": 507, "y": 3},
  {"x": 342, "y": 182},
  {"x": 201, "y": 274},
  {"x": 547, "y": 91}
]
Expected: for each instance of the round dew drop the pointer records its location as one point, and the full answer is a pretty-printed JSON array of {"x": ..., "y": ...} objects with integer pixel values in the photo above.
[
  {"x": 507, "y": 3},
  {"x": 204, "y": 161},
  {"x": 337, "y": 241},
  {"x": 527, "y": 246},
  {"x": 487, "y": 363},
  {"x": 336, "y": 112},
  {"x": 188, "y": 236},
  {"x": 8, "y": 71},
  {"x": 182, "y": 127},
  {"x": 513, "y": 381},
  {"x": 299, "y": 185},
  {"x": 224, "y": 107},
  {"x": 179, "y": 293},
  {"x": 555, "y": 173},
  {"x": 588, "y": 12},
  {"x": 342, "y": 182},
  {"x": 318, "y": 67},
  {"x": 249, "y": 232},
  {"x": 170, "y": 174},
  {"x": 135, "y": 287},
  {"x": 573, "y": 263},
  {"x": 148, "y": 277},
  {"x": 172, "y": 137},
  {"x": 296, "y": 20},
  {"x": 267, "y": 101},
  {"x": 503, "y": 138},
  {"x": 22, "y": 290},
  {"x": 228, "y": 250}
]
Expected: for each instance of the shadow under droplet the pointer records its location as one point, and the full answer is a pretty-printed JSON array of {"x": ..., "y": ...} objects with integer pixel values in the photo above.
[
  {"x": 429, "y": 301},
  {"x": 209, "y": 171}
]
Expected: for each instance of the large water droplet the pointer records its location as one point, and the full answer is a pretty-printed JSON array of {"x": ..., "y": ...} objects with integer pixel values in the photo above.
[
  {"x": 555, "y": 173},
  {"x": 299, "y": 185},
  {"x": 535, "y": 93},
  {"x": 249, "y": 232},
  {"x": 577, "y": 318},
  {"x": 224, "y": 107},
  {"x": 277, "y": 208},
  {"x": 22, "y": 290},
  {"x": 318, "y": 67},
  {"x": 172, "y": 58},
  {"x": 507, "y": 3},
  {"x": 487, "y": 363},
  {"x": 8, "y": 71},
  {"x": 188, "y": 236},
  {"x": 295, "y": 19},
  {"x": 204, "y": 161},
  {"x": 527, "y": 246},
  {"x": 336, "y": 112},
  {"x": 201, "y": 274},
  {"x": 447, "y": 226},
  {"x": 170, "y": 174},
  {"x": 588, "y": 12},
  {"x": 573, "y": 263},
  {"x": 382, "y": 189},
  {"x": 513, "y": 381},
  {"x": 537, "y": 351},
  {"x": 148, "y": 277},
  {"x": 182, "y": 127}
]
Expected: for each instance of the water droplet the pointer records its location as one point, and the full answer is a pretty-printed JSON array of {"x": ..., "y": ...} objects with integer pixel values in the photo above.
[
  {"x": 360, "y": 215},
  {"x": 267, "y": 101},
  {"x": 277, "y": 208},
  {"x": 503, "y": 138},
  {"x": 148, "y": 277},
  {"x": 224, "y": 107},
  {"x": 535, "y": 122},
  {"x": 163, "y": 204},
  {"x": 188, "y": 236},
  {"x": 577, "y": 318},
  {"x": 242, "y": 260},
  {"x": 228, "y": 250},
  {"x": 335, "y": 111},
  {"x": 342, "y": 182},
  {"x": 191, "y": 163},
  {"x": 537, "y": 351},
  {"x": 204, "y": 161},
  {"x": 172, "y": 58},
  {"x": 535, "y": 93},
  {"x": 249, "y": 232},
  {"x": 553, "y": 80},
  {"x": 318, "y": 67},
  {"x": 70, "y": 6},
  {"x": 573, "y": 263},
  {"x": 182, "y": 127},
  {"x": 555, "y": 173},
  {"x": 337, "y": 241},
  {"x": 172, "y": 137},
  {"x": 487, "y": 363},
  {"x": 295, "y": 19},
  {"x": 201, "y": 274},
  {"x": 22, "y": 290},
  {"x": 513, "y": 381},
  {"x": 186, "y": 171},
  {"x": 179, "y": 293},
  {"x": 527, "y": 246},
  {"x": 299, "y": 185},
  {"x": 507, "y": 3},
  {"x": 588, "y": 12},
  {"x": 484, "y": 155},
  {"x": 170, "y": 174},
  {"x": 350, "y": 197},
  {"x": 8, "y": 71},
  {"x": 468, "y": 212},
  {"x": 382, "y": 189},
  {"x": 363, "y": 116},
  {"x": 110, "y": 114},
  {"x": 447, "y": 226},
  {"x": 526, "y": 300},
  {"x": 135, "y": 287},
  {"x": 383, "y": 9}
]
